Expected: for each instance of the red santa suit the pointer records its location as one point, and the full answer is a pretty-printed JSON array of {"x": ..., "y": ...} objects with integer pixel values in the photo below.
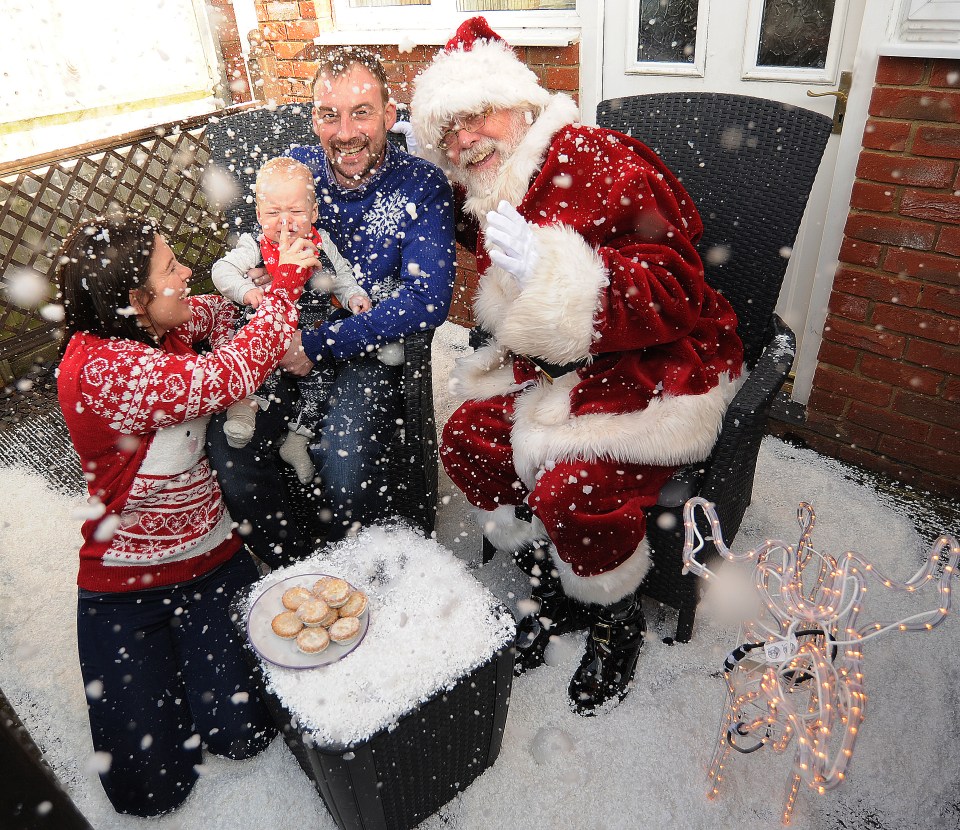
[{"x": 617, "y": 288}]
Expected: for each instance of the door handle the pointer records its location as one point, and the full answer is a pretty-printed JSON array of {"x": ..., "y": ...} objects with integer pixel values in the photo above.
[{"x": 841, "y": 94}]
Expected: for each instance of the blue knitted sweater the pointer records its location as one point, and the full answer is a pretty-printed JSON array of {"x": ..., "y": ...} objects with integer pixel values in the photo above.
[{"x": 397, "y": 230}]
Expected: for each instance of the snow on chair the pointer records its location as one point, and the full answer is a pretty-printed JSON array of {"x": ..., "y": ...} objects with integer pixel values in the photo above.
[{"x": 749, "y": 165}]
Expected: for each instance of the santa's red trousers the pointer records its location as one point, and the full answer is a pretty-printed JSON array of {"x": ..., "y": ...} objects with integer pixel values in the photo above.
[{"x": 593, "y": 510}]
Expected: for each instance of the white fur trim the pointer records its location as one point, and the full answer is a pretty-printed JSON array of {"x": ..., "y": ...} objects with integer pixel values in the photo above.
[
  {"x": 496, "y": 292},
  {"x": 485, "y": 373},
  {"x": 553, "y": 317},
  {"x": 539, "y": 529},
  {"x": 505, "y": 531},
  {"x": 606, "y": 588},
  {"x": 671, "y": 430},
  {"x": 468, "y": 80}
]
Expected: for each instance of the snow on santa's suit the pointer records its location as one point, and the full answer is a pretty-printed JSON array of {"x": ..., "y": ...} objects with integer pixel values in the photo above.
[{"x": 619, "y": 284}]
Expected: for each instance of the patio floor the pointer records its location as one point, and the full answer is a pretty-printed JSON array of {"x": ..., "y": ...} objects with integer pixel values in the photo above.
[{"x": 32, "y": 435}]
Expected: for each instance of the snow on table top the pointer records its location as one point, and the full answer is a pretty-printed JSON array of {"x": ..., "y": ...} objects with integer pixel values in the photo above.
[{"x": 431, "y": 623}]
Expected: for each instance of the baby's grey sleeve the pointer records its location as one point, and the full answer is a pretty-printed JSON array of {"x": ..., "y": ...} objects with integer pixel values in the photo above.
[
  {"x": 230, "y": 271},
  {"x": 345, "y": 284}
]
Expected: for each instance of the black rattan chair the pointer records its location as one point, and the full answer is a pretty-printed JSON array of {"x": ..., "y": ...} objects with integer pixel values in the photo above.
[
  {"x": 239, "y": 143},
  {"x": 749, "y": 165}
]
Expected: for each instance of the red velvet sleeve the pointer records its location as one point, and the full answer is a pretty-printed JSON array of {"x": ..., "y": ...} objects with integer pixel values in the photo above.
[
  {"x": 627, "y": 206},
  {"x": 140, "y": 388}
]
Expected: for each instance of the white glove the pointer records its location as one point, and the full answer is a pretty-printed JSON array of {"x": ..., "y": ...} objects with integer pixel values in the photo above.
[
  {"x": 405, "y": 128},
  {"x": 511, "y": 243}
]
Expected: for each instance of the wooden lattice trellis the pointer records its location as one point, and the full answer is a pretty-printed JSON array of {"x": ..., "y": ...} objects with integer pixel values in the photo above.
[{"x": 157, "y": 172}]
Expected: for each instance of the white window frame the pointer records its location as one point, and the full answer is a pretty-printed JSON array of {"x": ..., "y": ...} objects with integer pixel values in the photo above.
[
  {"x": 245, "y": 11},
  {"x": 694, "y": 69},
  {"x": 829, "y": 74},
  {"x": 433, "y": 24},
  {"x": 933, "y": 10},
  {"x": 930, "y": 21},
  {"x": 27, "y": 134}
]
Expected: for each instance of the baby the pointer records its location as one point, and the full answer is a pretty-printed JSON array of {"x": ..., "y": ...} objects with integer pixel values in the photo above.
[{"x": 286, "y": 201}]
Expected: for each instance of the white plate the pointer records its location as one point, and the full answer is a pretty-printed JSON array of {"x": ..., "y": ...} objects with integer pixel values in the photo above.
[{"x": 285, "y": 652}]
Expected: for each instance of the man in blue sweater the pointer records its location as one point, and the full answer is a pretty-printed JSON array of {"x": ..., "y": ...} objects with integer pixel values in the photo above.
[{"x": 391, "y": 215}]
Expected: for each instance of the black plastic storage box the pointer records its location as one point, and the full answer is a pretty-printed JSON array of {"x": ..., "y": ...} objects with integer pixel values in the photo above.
[
  {"x": 402, "y": 774},
  {"x": 399, "y": 777}
]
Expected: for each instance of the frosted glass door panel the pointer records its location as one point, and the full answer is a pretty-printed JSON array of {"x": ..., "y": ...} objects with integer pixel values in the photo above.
[
  {"x": 667, "y": 31},
  {"x": 795, "y": 33}
]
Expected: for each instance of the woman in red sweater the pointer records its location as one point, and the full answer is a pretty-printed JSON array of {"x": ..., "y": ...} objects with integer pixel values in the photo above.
[{"x": 162, "y": 665}]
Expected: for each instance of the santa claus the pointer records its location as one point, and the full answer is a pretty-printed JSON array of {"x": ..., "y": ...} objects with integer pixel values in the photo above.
[{"x": 610, "y": 361}]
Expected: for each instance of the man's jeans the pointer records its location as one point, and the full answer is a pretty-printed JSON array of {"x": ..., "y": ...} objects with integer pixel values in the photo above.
[{"x": 359, "y": 421}]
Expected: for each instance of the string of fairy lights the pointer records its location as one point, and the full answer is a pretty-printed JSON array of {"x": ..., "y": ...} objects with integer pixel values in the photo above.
[{"x": 797, "y": 677}]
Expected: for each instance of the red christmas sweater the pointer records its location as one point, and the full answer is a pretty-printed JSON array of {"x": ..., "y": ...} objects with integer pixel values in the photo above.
[{"x": 137, "y": 416}]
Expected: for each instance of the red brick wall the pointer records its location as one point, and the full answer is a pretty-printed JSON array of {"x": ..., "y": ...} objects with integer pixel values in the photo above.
[
  {"x": 886, "y": 394},
  {"x": 224, "y": 22},
  {"x": 289, "y": 27}
]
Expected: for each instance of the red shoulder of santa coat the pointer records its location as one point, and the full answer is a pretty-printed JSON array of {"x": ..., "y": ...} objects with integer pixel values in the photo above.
[{"x": 617, "y": 270}]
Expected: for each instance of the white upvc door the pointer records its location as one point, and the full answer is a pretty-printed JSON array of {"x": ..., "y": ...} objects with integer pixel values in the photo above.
[{"x": 777, "y": 49}]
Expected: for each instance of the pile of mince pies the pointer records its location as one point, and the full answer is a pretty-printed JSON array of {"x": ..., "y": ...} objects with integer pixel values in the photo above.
[{"x": 329, "y": 611}]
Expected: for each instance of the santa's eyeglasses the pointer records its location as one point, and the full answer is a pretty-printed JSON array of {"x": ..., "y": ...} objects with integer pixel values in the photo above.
[{"x": 470, "y": 123}]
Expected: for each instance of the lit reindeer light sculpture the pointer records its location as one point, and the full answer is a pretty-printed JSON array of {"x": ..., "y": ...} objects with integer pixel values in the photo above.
[{"x": 799, "y": 673}]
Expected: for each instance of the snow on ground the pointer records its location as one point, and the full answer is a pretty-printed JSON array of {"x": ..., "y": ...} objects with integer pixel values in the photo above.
[{"x": 642, "y": 765}]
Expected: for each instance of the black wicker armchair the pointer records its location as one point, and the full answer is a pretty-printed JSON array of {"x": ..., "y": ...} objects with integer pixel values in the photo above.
[
  {"x": 749, "y": 165},
  {"x": 239, "y": 143}
]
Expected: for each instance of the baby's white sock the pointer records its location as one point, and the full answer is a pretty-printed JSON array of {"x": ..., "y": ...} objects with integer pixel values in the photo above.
[
  {"x": 294, "y": 450},
  {"x": 241, "y": 422}
]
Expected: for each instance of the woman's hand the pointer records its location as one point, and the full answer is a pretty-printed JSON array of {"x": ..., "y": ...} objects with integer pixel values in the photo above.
[
  {"x": 295, "y": 360},
  {"x": 296, "y": 250}
]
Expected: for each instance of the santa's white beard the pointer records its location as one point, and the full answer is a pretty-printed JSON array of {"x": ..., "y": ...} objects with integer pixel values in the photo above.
[{"x": 480, "y": 183}]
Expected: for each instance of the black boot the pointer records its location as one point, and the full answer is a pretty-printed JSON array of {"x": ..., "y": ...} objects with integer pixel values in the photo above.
[
  {"x": 556, "y": 614},
  {"x": 533, "y": 559},
  {"x": 613, "y": 646}
]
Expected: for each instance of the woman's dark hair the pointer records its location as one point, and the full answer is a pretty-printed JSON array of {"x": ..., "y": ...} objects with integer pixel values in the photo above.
[{"x": 99, "y": 264}]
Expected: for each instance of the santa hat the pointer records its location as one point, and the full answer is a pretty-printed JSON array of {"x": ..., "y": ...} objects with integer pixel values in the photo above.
[{"x": 475, "y": 70}]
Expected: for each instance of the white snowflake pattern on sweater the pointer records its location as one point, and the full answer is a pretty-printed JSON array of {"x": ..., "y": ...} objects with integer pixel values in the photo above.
[{"x": 384, "y": 218}]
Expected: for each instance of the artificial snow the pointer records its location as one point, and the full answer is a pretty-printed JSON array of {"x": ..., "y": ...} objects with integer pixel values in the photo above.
[
  {"x": 640, "y": 765},
  {"x": 431, "y": 623},
  {"x": 25, "y": 287}
]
